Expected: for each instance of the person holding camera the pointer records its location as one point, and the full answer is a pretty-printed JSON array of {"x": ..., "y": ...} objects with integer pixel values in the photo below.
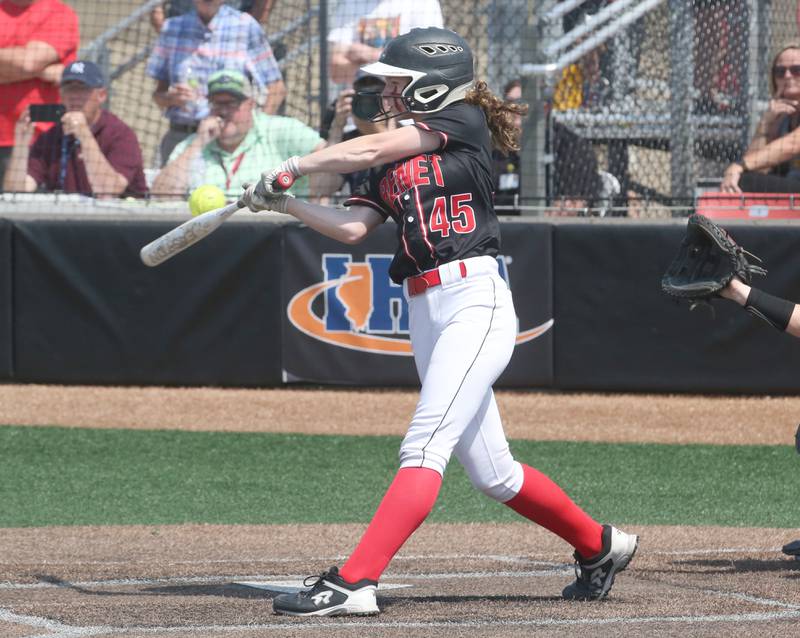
[
  {"x": 37, "y": 38},
  {"x": 88, "y": 151},
  {"x": 351, "y": 116}
]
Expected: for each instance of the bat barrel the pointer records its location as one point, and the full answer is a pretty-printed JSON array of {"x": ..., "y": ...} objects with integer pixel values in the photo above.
[{"x": 188, "y": 233}]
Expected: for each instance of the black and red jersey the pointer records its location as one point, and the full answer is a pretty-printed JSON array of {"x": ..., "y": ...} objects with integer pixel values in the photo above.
[{"x": 441, "y": 201}]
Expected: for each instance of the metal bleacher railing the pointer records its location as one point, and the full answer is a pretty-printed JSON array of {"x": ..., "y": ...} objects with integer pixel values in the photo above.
[{"x": 667, "y": 95}]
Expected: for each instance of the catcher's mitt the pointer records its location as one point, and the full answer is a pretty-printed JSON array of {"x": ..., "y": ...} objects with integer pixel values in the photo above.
[{"x": 707, "y": 260}]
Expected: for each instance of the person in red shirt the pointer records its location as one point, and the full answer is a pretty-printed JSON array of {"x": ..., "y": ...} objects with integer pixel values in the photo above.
[
  {"x": 37, "y": 39},
  {"x": 90, "y": 151}
]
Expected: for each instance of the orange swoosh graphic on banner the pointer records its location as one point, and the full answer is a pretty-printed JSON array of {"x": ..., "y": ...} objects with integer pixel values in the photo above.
[
  {"x": 302, "y": 317},
  {"x": 531, "y": 334},
  {"x": 300, "y": 314}
]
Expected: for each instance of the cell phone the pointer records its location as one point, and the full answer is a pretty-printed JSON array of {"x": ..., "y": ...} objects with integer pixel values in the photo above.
[{"x": 46, "y": 112}]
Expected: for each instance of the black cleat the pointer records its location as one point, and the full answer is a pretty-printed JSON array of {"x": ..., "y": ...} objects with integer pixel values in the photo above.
[
  {"x": 792, "y": 549},
  {"x": 330, "y": 595},
  {"x": 595, "y": 576}
]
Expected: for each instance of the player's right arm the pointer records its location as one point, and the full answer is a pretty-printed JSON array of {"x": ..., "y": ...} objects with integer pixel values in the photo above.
[
  {"x": 348, "y": 225},
  {"x": 352, "y": 224},
  {"x": 370, "y": 150}
]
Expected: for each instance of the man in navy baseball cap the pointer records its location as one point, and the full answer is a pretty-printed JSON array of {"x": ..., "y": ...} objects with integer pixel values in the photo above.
[
  {"x": 83, "y": 93},
  {"x": 89, "y": 151},
  {"x": 83, "y": 71}
]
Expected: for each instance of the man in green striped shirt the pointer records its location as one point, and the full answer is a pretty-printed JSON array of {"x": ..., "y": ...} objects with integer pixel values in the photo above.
[{"x": 236, "y": 142}]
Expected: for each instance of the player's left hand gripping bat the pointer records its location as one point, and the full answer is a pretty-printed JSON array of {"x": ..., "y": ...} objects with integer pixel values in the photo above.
[{"x": 192, "y": 231}]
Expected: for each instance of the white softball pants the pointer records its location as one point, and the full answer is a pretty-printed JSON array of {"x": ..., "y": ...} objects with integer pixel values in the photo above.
[{"x": 463, "y": 334}]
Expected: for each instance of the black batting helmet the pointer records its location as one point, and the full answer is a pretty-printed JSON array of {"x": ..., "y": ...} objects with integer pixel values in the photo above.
[{"x": 438, "y": 61}]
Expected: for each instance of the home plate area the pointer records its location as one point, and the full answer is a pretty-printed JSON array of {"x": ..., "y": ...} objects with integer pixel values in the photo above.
[
  {"x": 294, "y": 586},
  {"x": 683, "y": 582}
]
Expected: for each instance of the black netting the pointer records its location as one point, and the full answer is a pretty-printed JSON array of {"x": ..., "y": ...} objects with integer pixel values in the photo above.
[{"x": 636, "y": 105}]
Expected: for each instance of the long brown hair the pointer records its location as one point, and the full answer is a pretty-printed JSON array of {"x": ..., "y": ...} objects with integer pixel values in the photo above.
[
  {"x": 499, "y": 115},
  {"x": 773, "y": 85}
]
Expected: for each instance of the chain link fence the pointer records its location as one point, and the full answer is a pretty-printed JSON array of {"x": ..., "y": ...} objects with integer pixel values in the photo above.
[
  {"x": 657, "y": 97},
  {"x": 635, "y": 105}
]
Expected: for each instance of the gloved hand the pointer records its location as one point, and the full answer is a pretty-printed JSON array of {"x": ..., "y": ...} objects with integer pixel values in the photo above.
[
  {"x": 267, "y": 183},
  {"x": 257, "y": 200},
  {"x": 707, "y": 260}
]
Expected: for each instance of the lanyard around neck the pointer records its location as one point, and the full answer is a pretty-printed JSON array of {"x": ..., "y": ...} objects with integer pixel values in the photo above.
[
  {"x": 68, "y": 143},
  {"x": 234, "y": 168}
]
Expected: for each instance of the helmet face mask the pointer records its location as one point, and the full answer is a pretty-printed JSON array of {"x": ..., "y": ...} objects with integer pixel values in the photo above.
[
  {"x": 439, "y": 63},
  {"x": 388, "y": 100}
]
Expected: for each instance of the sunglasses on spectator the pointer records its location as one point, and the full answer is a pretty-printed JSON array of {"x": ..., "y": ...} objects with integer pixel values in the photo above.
[
  {"x": 225, "y": 105},
  {"x": 780, "y": 71}
]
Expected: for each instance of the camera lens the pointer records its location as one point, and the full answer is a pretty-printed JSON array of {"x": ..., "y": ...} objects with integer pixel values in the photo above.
[{"x": 366, "y": 105}]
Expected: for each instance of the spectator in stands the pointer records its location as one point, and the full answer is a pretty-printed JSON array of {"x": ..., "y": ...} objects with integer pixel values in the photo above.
[
  {"x": 37, "y": 38},
  {"x": 360, "y": 28},
  {"x": 91, "y": 151},
  {"x": 350, "y": 116},
  {"x": 771, "y": 163},
  {"x": 577, "y": 182},
  {"x": 234, "y": 143},
  {"x": 584, "y": 84},
  {"x": 720, "y": 55},
  {"x": 192, "y": 46},
  {"x": 506, "y": 166},
  {"x": 259, "y": 9}
]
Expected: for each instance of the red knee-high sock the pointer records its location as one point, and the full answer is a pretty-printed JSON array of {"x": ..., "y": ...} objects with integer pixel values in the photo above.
[
  {"x": 407, "y": 503},
  {"x": 545, "y": 503}
]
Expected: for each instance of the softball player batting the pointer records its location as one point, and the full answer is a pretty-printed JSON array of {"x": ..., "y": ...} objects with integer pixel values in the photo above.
[{"x": 434, "y": 180}]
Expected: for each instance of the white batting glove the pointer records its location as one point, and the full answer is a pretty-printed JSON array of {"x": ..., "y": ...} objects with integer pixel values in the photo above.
[
  {"x": 256, "y": 201},
  {"x": 267, "y": 182}
]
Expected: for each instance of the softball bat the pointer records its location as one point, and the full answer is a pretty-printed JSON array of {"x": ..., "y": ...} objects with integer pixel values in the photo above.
[{"x": 192, "y": 231}]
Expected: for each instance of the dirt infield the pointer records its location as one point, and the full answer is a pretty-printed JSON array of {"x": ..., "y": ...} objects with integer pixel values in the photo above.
[
  {"x": 478, "y": 580},
  {"x": 541, "y": 416},
  {"x": 449, "y": 580}
]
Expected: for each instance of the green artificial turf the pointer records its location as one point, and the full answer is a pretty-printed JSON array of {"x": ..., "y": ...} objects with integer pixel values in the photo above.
[{"x": 64, "y": 476}]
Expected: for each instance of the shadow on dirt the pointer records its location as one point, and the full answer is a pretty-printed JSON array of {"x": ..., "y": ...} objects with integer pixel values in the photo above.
[
  {"x": 741, "y": 566},
  {"x": 225, "y": 590},
  {"x": 232, "y": 590}
]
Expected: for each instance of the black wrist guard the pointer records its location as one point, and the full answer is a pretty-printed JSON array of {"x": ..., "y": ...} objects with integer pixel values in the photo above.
[{"x": 774, "y": 310}]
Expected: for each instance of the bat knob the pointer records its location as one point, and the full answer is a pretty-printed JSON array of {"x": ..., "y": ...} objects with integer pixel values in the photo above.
[{"x": 284, "y": 180}]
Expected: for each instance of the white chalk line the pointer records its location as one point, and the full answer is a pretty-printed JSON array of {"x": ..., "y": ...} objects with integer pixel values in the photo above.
[
  {"x": 729, "y": 550},
  {"x": 334, "y": 624},
  {"x": 524, "y": 560},
  {"x": 753, "y": 599},
  {"x": 32, "y": 621},
  {"x": 59, "y": 630}
]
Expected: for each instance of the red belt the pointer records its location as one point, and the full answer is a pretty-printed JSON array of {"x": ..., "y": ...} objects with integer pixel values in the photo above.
[{"x": 420, "y": 283}]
